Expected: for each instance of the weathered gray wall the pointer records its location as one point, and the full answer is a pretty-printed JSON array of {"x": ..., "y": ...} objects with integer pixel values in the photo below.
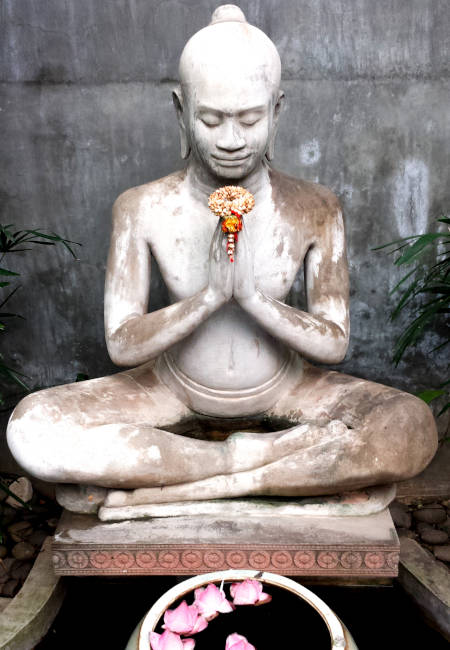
[{"x": 86, "y": 113}]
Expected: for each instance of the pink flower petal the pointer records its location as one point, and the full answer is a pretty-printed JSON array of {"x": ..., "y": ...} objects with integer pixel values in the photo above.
[
  {"x": 238, "y": 642},
  {"x": 264, "y": 598},
  {"x": 200, "y": 624},
  {"x": 188, "y": 644},
  {"x": 210, "y": 600},
  {"x": 225, "y": 607},
  {"x": 184, "y": 619},
  {"x": 248, "y": 592},
  {"x": 165, "y": 641},
  {"x": 154, "y": 640},
  {"x": 180, "y": 620}
]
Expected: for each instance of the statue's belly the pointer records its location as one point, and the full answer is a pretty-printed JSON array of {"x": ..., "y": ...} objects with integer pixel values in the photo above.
[{"x": 229, "y": 352}]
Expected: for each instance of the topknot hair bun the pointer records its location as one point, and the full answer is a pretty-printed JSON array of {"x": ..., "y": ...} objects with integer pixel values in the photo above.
[{"x": 228, "y": 14}]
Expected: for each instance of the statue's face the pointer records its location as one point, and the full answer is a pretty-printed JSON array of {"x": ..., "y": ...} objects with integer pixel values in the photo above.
[{"x": 229, "y": 122}]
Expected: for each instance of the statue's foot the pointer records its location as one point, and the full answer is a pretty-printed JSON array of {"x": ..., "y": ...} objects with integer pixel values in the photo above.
[
  {"x": 322, "y": 466},
  {"x": 359, "y": 503},
  {"x": 248, "y": 450},
  {"x": 243, "y": 453},
  {"x": 85, "y": 499}
]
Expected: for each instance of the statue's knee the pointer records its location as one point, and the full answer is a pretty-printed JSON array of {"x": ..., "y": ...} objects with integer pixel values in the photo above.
[
  {"x": 28, "y": 412},
  {"x": 423, "y": 436},
  {"x": 29, "y": 434},
  {"x": 405, "y": 435}
]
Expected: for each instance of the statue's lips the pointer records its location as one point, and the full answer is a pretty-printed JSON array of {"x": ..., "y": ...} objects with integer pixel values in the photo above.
[{"x": 231, "y": 162}]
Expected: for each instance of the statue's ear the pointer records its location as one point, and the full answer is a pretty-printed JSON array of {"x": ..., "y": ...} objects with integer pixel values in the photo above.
[
  {"x": 270, "y": 152},
  {"x": 177, "y": 97}
]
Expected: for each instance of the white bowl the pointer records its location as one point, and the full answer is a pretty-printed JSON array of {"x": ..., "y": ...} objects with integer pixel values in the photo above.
[{"x": 340, "y": 637}]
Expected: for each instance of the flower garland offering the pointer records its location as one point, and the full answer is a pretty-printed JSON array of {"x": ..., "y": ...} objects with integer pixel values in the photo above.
[
  {"x": 209, "y": 602},
  {"x": 231, "y": 203}
]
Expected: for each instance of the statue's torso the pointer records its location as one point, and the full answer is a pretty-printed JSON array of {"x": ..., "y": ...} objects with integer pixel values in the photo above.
[{"x": 229, "y": 350}]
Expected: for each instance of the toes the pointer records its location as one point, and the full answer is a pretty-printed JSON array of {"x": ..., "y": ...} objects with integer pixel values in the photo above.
[
  {"x": 337, "y": 427},
  {"x": 291, "y": 435}
]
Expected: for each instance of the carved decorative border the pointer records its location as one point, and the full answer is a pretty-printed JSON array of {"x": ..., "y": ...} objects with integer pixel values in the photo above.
[{"x": 190, "y": 560}]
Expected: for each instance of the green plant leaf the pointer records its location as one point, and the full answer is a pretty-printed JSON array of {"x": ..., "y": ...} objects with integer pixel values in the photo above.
[
  {"x": 404, "y": 241},
  {"x": 56, "y": 238},
  {"x": 13, "y": 375},
  {"x": 16, "y": 241},
  {"x": 9, "y": 296},
  {"x": 416, "y": 250},
  {"x": 408, "y": 293},
  {"x": 10, "y": 241},
  {"x": 404, "y": 278},
  {"x": 443, "y": 410},
  {"x": 412, "y": 333},
  {"x": 442, "y": 288},
  {"x": 430, "y": 394},
  {"x": 6, "y": 272}
]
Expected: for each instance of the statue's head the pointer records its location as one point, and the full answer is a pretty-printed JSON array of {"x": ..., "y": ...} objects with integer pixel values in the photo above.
[{"x": 229, "y": 98}]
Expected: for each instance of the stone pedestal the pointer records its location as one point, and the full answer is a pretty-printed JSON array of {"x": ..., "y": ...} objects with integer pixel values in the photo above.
[{"x": 364, "y": 547}]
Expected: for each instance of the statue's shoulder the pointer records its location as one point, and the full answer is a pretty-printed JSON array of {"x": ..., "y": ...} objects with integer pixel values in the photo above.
[
  {"x": 154, "y": 192},
  {"x": 306, "y": 196}
]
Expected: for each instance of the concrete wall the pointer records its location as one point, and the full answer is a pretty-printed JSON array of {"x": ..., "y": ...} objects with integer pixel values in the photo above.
[{"x": 86, "y": 113}]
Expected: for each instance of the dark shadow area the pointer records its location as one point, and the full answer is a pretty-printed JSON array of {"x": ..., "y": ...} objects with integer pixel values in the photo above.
[
  {"x": 203, "y": 427},
  {"x": 102, "y": 613}
]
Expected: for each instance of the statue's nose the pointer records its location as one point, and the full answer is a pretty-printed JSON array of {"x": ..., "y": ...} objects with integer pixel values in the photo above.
[{"x": 231, "y": 137}]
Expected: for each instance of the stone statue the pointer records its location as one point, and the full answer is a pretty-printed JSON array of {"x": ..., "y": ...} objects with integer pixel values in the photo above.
[{"x": 228, "y": 353}]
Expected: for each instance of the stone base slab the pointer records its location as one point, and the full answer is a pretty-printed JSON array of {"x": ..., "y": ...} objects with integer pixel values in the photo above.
[{"x": 346, "y": 547}]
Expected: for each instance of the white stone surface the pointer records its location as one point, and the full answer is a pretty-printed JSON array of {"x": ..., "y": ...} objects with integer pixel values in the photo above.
[
  {"x": 376, "y": 529},
  {"x": 366, "y": 503},
  {"x": 227, "y": 334}
]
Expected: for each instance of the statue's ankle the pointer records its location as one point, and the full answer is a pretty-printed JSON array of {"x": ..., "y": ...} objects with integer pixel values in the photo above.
[{"x": 85, "y": 499}]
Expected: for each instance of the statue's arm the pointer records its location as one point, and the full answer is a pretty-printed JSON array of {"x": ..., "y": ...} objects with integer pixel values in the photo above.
[
  {"x": 134, "y": 336},
  {"x": 320, "y": 334}
]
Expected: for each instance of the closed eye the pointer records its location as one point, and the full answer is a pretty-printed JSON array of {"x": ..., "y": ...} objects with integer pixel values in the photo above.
[
  {"x": 251, "y": 116},
  {"x": 249, "y": 121},
  {"x": 210, "y": 118},
  {"x": 210, "y": 121}
]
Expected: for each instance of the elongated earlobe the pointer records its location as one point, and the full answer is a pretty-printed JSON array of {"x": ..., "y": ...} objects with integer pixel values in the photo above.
[
  {"x": 270, "y": 151},
  {"x": 184, "y": 140}
]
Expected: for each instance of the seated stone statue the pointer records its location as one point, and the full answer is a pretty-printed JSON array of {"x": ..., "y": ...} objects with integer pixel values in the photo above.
[{"x": 227, "y": 347}]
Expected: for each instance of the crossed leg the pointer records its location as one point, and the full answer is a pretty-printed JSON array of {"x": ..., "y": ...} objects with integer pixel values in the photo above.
[
  {"x": 390, "y": 435},
  {"x": 350, "y": 433},
  {"x": 347, "y": 433},
  {"x": 110, "y": 432}
]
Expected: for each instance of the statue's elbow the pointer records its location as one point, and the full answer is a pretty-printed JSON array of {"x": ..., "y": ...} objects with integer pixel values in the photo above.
[
  {"x": 118, "y": 358},
  {"x": 125, "y": 352},
  {"x": 337, "y": 356},
  {"x": 123, "y": 349},
  {"x": 338, "y": 347},
  {"x": 119, "y": 353}
]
